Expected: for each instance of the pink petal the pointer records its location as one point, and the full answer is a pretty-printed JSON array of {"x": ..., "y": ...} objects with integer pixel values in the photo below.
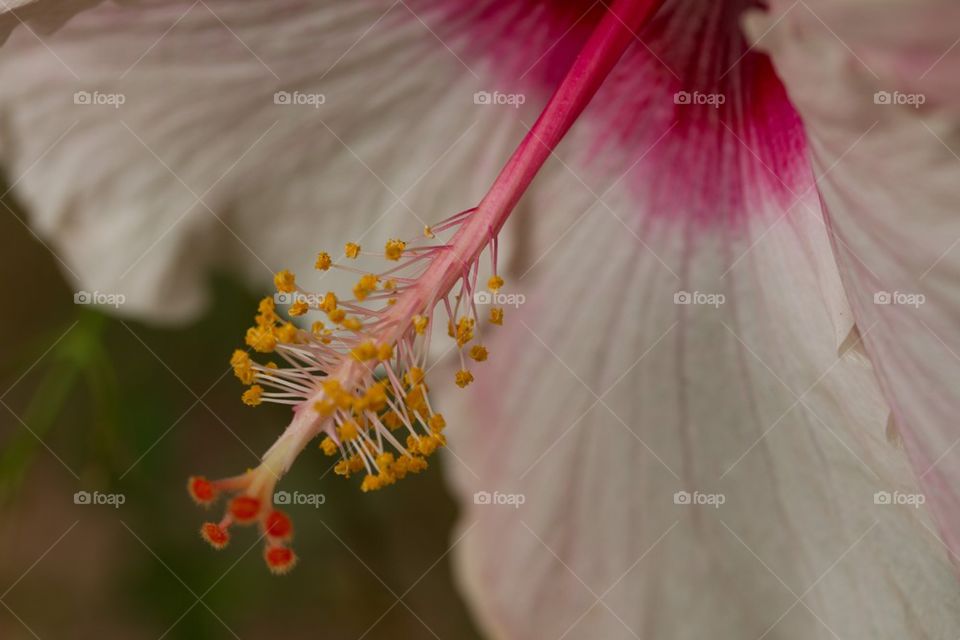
[
  {"x": 602, "y": 398},
  {"x": 689, "y": 47}
]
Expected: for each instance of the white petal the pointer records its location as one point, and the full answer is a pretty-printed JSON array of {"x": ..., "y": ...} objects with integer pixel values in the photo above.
[
  {"x": 199, "y": 167},
  {"x": 602, "y": 398},
  {"x": 891, "y": 183}
]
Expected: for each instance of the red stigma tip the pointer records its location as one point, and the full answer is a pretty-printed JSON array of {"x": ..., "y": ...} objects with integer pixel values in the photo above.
[
  {"x": 280, "y": 560},
  {"x": 216, "y": 535},
  {"x": 278, "y": 525},
  {"x": 244, "y": 509},
  {"x": 201, "y": 490}
]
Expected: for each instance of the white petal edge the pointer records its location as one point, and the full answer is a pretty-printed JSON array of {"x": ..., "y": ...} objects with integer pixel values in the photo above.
[
  {"x": 114, "y": 189},
  {"x": 877, "y": 88}
]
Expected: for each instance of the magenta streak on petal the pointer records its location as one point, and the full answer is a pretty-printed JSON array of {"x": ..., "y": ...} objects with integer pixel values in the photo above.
[{"x": 708, "y": 163}]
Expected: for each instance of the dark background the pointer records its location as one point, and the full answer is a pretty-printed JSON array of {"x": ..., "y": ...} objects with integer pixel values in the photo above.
[{"x": 134, "y": 409}]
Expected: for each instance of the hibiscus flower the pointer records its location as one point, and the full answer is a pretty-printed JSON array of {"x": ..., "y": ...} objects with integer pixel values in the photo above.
[{"x": 735, "y": 361}]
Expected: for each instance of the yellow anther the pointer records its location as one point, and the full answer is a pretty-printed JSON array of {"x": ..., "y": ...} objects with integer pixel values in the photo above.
[
  {"x": 285, "y": 281},
  {"x": 415, "y": 400},
  {"x": 400, "y": 467},
  {"x": 261, "y": 339},
  {"x": 478, "y": 353},
  {"x": 436, "y": 423},
  {"x": 364, "y": 351},
  {"x": 416, "y": 464},
  {"x": 360, "y": 405},
  {"x": 413, "y": 444},
  {"x": 390, "y": 285},
  {"x": 496, "y": 315},
  {"x": 271, "y": 365},
  {"x": 288, "y": 333},
  {"x": 392, "y": 420},
  {"x": 267, "y": 315},
  {"x": 384, "y": 351},
  {"x": 323, "y": 261},
  {"x": 243, "y": 367},
  {"x": 420, "y": 324},
  {"x": 325, "y": 407},
  {"x": 329, "y": 302},
  {"x": 331, "y": 387},
  {"x": 365, "y": 286},
  {"x": 353, "y": 324},
  {"x": 494, "y": 283},
  {"x": 344, "y": 400},
  {"x": 413, "y": 376},
  {"x": 463, "y": 378},
  {"x": 317, "y": 328},
  {"x": 348, "y": 431},
  {"x": 429, "y": 444},
  {"x": 391, "y": 302},
  {"x": 376, "y": 397},
  {"x": 352, "y": 464},
  {"x": 239, "y": 358},
  {"x": 464, "y": 331},
  {"x": 370, "y": 483},
  {"x": 337, "y": 316},
  {"x": 329, "y": 446},
  {"x": 266, "y": 305},
  {"x": 352, "y": 250},
  {"x": 403, "y": 466},
  {"x": 428, "y": 232},
  {"x": 384, "y": 460},
  {"x": 252, "y": 396},
  {"x": 298, "y": 308},
  {"x": 394, "y": 249}
]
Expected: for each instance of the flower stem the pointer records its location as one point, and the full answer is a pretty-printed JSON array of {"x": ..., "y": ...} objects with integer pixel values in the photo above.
[{"x": 609, "y": 40}]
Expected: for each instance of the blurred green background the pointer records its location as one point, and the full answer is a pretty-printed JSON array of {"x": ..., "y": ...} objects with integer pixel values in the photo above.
[{"x": 92, "y": 402}]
